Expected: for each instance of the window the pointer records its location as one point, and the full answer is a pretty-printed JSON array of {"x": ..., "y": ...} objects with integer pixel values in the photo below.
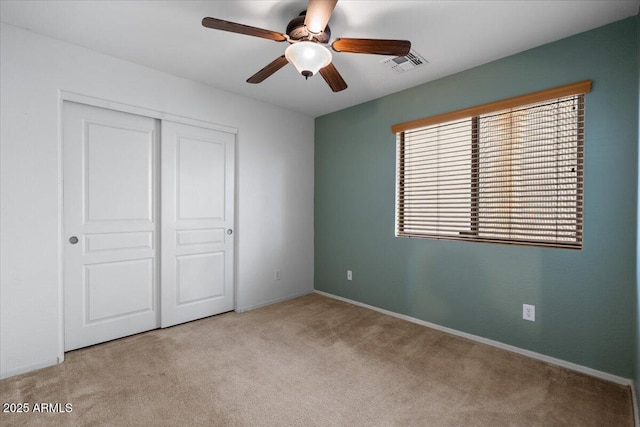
[{"x": 506, "y": 172}]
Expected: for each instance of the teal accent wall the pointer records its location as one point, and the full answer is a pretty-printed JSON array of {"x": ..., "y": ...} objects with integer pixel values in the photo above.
[
  {"x": 636, "y": 377},
  {"x": 585, "y": 300}
]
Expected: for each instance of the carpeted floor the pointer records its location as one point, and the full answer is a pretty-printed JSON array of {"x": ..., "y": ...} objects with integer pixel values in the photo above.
[{"x": 311, "y": 361}]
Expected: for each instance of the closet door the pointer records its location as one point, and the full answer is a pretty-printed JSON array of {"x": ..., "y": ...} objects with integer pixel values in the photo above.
[
  {"x": 110, "y": 211},
  {"x": 197, "y": 222}
]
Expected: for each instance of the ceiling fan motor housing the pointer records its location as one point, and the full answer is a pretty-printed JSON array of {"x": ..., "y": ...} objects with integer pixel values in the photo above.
[{"x": 296, "y": 30}]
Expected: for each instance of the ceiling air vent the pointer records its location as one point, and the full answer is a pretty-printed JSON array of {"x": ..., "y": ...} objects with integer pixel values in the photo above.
[{"x": 400, "y": 64}]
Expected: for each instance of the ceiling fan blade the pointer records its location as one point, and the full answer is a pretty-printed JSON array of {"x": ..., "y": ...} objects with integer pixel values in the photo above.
[
  {"x": 318, "y": 14},
  {"x": 219, "y": 24},
  {"x": 271, "y": 68},
  {"x": 333, "y": 78},
  {"x": 373, "y": 46}
]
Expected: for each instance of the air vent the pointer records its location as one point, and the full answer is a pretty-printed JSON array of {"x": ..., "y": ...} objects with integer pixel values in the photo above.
[{"x": 401, "y": 64}]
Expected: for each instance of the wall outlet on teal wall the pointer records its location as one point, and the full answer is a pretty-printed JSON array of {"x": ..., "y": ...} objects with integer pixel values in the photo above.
[{"x": 529, "y": 312}]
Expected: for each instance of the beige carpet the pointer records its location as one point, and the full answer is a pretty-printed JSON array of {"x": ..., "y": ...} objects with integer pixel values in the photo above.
[{"x": 311, "y": 361}]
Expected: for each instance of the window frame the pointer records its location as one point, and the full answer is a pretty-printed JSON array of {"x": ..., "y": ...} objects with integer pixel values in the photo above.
[{"x": 473, "y": 114}]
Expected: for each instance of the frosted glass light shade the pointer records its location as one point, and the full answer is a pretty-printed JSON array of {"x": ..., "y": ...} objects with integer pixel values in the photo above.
[{"x": 308, "y": 57}]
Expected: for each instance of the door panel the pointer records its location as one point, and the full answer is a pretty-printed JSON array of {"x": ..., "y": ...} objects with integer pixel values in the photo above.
[
  {"x": 110, "y": 206},
  {"x": 197, "y": 207},
  {"x": 201, "y": 179},
  {"x": 109, "y": 299},
  {"x": 118, "y": 172},
  {"x": 116, "y": 241},
  {"x": 200, "y": 277}
]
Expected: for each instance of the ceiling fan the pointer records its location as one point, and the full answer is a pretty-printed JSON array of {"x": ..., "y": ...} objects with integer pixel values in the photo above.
[{"x": 308, "y": 35}]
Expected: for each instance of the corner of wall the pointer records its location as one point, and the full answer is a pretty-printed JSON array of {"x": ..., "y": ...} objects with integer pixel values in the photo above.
[{"x": 636, "y": 367}]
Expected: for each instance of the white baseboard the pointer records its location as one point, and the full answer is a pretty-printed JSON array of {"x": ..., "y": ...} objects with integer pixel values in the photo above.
[
  {"x": 511, "y": 348},
  {"x": 29, "y": 368}
]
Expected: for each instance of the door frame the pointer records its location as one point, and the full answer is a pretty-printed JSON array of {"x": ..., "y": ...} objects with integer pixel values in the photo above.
[{"x": 66, "y": 96}]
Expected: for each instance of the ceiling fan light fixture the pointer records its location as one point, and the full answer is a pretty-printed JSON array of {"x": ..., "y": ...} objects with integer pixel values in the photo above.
[{"x": 308, "y": 57}]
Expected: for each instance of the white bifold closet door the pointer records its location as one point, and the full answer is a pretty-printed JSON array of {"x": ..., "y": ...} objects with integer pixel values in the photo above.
[{"x": 132, "y": 264}]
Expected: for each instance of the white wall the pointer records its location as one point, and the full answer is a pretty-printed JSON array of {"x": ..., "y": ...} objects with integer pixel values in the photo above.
[{"x": 274, "y": 188}]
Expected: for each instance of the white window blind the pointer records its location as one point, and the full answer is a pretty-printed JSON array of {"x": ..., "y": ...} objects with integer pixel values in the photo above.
[{"x": 506, "y": 172}]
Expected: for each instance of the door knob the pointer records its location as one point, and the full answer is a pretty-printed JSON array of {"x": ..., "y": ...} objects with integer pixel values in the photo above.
[
  {"x": 229, "y": 231},
  {"x": 73, "y": 240}
]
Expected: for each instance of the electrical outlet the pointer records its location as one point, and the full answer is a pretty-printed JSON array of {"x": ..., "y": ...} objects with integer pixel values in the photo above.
[
  {"x": 276, "y": 275},
  {"x": 349, "y": 275},
  {"x": 529, "y": 312}
]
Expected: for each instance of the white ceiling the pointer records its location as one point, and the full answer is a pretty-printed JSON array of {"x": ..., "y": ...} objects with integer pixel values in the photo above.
[{"x": 451, "y": 35}]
